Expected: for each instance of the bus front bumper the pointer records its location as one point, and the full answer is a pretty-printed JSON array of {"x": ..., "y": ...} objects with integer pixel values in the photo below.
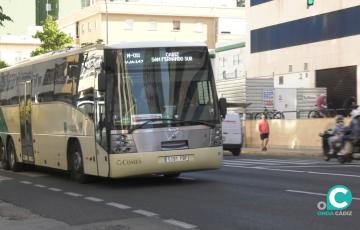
[{"x": 165, "y": 162}]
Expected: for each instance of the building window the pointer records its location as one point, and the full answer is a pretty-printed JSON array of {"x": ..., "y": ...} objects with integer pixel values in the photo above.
[
  {"x": 176, "y": 25},
  {"x": 77, "y": 30},
  {"x": 129, "y": 24},
  {"x": 95, "y": 24},
  {"x": 281, "y": 80},
  {"x": 236, "y": 73},
  {"x": 199, "y": 28},
  {"x": 89, "y": 27},
  {"x": 82, "y": 29},
  {"x": 306, "y": 66},
  {"x": 152, "y": 26},
  {"x": 290, "y": 68},
  {"x": 224, "y": 74}
]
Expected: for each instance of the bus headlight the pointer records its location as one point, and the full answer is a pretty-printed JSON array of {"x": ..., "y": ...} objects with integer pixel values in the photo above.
[
  {"x": 216, "y": 136},
  {"x": 122, "y": 143}
]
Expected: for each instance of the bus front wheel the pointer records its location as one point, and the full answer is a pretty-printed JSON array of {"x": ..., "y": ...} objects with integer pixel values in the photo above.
[
  {"x": 13, "y": 164},
  {"x": 76, "y": 163}
]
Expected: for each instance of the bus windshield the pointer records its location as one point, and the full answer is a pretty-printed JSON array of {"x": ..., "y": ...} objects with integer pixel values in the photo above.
[{"x": 163, "y": 84}]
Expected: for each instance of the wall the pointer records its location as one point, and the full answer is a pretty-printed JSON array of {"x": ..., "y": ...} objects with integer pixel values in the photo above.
[
  {"x": 290, "y": 134},
  {"x": 163, "y": 15},
  {"x": 141, "y": 29}
]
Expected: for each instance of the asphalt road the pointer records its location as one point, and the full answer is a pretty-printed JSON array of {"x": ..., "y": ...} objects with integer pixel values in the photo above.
[{"x": 248, "y": 192}]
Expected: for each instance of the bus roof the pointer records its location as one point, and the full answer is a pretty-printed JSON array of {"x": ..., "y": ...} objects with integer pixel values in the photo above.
[
  {"x": 154, "y": 44},
  {"x": 123, "y": 45}
]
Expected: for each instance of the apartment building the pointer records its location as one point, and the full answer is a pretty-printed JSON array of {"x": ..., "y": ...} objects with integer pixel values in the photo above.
[{"x": 118, "y": 21}]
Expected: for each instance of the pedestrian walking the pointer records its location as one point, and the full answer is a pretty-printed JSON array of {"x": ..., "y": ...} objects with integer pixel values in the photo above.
[{"x": 264, "y": 132}]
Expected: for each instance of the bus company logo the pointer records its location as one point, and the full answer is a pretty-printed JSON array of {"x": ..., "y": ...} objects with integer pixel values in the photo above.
[
  {"x": 129, "y": 162},
  {"x": 338, "y": 199},
  {"x": 172, "y": 133}
]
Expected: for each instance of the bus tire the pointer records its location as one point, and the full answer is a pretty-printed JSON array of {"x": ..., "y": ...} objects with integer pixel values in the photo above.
[
  {"x": 76, "y": 163},
  {"x": 14, "y": 165},
  {"x": 172, "y": 175},
  {"x": 3, "y": 159},
  {"x": 236, "y": 152}
]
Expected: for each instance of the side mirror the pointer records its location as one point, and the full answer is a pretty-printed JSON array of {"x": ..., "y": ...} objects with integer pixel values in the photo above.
[
  {"x": 101, "y": 82},
  {"x": 223, "y": 106}
]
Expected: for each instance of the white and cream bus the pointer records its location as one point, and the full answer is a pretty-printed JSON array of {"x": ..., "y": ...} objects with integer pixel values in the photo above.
[{"x": 113, "y": 111}]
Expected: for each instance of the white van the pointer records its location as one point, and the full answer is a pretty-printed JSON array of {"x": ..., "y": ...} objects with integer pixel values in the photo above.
[{"x": 232, "y": 133}]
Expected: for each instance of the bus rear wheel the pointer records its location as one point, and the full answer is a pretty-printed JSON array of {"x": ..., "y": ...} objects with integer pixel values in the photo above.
[
  {"x": 11, "y": 151},
  {"x": 76, "y": 163},
  {"x": 172, "y": 175},
  {"x": 3, "y": 159}
]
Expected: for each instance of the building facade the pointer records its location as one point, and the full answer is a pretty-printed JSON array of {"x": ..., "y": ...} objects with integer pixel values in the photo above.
[
  {"x": 16, "y": 38},
  {"x": 119, "y": 21},
  {"x": 303, "y": 45}
]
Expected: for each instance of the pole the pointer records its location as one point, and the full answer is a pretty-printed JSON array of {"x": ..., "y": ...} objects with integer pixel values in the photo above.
[{"x": 107, "y": 23}]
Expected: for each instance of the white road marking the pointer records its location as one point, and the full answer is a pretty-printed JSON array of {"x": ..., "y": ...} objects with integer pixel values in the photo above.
[
  {"x": 333, "y": 174},
  {"x": 275, "y": 162},
  {"x": 55, "y": 189},
  {"x": 237, "y": 163},
  {"x": 145, "y": 213},
  {"x": 40, "y": 186},
  {"x": 180, "y": 224},
  {"x": 2, "y": 178},
  {"x": 295, "y": 171},
  {"x": 186, "y": 178},
  {"x": 250, "y": 162},
  {"x": 316, "y": 166},
  {"x": 25, "y": 182},
  {"x": 32, "y": 174},
  {"x": 286, "y": 160},
  {"x": 313, "y": 193},
  {"x": 93, "y": 199},
  {"x": 73, "y": 194},
  {"x": 118, "y": 205}
]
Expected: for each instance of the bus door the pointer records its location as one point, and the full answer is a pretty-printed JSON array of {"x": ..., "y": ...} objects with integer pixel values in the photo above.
[
  {"x": 24, "y": 92},
  {"x": 102, "y": 156}
]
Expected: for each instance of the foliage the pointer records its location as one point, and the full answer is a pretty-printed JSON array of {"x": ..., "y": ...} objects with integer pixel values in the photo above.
[
  {"x": 3, "y": 64},
  {"x": 52, "y": 39},
  {"x": 3, "y": 17}
]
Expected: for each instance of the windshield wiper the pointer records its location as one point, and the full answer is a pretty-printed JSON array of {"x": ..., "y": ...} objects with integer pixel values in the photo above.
[
  {"x": 173, "y": 120},
  {"x": 200, "y": 123},
  {"x": 149, "y": 121}
]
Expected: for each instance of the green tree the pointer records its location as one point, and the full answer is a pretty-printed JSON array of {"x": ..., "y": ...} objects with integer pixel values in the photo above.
[
  {"x": 3, "y": 17},
  {"x": 3, "y": 64},
  {"x": 52, "y": 39}
]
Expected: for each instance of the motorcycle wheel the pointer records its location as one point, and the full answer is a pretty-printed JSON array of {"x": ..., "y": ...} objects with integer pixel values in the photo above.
[
  {"x": 326, "y": 158},
  {"x": 341, "y": 159}
]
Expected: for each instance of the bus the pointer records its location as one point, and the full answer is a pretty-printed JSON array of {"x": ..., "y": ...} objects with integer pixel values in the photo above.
[{"x": 131, "y": 109}]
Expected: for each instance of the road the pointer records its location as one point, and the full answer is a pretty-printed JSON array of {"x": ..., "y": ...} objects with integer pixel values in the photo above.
[{"x": 248, "y": 192}]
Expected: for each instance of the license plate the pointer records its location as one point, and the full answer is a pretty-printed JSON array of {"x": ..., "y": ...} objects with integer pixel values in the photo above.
[{"x": 171, "y": 159}]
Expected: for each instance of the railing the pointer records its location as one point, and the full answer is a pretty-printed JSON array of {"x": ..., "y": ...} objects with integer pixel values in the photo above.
[{"x": 298, "y": 114}]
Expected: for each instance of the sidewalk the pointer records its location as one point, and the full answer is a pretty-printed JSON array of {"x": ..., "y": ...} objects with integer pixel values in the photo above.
[
  {"x": 17, "y": 218},
  {"x": 280, "y": 152}
]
